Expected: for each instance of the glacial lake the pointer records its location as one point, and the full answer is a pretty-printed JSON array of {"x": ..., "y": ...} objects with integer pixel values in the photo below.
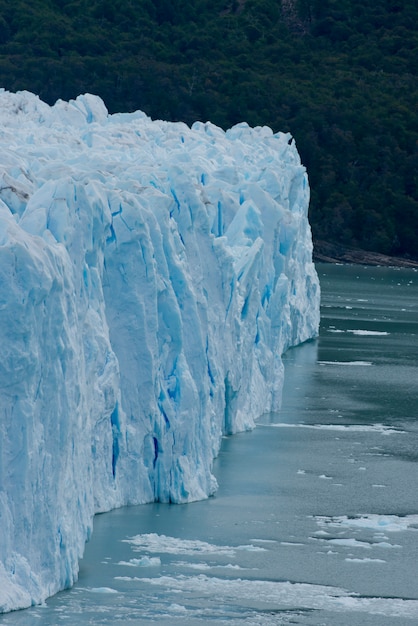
[{"x": 316, "y": 517}]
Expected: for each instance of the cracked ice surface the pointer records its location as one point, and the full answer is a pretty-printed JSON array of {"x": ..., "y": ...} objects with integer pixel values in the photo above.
[{"x": 151, "y": 276}]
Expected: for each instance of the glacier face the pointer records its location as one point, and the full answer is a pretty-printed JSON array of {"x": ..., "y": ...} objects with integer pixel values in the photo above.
[{"x": 151, "y": 276}]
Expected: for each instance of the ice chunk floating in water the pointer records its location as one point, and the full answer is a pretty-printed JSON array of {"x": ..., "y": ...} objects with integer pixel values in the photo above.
[{"x": 152, "y": 275}]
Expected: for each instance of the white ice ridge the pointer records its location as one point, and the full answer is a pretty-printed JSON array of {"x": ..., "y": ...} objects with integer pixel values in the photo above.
[{"x": 151, "y": 276}]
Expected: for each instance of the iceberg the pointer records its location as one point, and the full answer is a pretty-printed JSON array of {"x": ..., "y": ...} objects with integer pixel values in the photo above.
[{"x": 151, "y": 277}]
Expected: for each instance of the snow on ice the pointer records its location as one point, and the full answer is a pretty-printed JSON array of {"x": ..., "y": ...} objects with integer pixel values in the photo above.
[{"x": 151, "y": 276}]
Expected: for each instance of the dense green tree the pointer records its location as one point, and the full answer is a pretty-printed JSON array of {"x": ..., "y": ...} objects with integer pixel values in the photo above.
[{"x": 339, "y": 75}]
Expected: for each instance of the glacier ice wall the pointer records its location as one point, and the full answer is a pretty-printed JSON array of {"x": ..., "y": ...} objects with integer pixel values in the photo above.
[{"x": 151, "y": 276}]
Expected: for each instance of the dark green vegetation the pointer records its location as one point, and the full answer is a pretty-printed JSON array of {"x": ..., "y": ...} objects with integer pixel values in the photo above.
[{"x": 340, "y": 75}]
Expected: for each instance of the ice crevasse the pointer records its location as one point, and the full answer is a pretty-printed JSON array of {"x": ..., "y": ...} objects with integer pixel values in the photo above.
[{"x": 151, "y": 277}]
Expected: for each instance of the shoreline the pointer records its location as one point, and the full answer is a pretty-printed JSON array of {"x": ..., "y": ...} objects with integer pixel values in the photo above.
[{"x": 325, "y": 252}]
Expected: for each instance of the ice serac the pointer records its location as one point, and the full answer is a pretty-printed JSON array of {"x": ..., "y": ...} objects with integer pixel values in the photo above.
[{"x": 151, "y": 276}]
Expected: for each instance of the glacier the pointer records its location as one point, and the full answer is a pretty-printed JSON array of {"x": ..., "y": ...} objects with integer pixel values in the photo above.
[{"x": 151, "y": 277}]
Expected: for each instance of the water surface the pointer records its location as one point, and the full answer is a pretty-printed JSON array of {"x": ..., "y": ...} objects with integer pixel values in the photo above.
[{"x": 316, "y": 518}]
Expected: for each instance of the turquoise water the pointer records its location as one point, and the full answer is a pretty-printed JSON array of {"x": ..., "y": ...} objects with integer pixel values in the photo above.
[{"x": 316, "y": 518}]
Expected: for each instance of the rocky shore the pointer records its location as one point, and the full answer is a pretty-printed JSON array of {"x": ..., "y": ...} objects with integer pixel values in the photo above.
[{"x": 325, "y": 252}]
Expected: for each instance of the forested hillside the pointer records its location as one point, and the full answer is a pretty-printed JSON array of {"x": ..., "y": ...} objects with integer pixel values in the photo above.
[{"x": 340, "y": 75}]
